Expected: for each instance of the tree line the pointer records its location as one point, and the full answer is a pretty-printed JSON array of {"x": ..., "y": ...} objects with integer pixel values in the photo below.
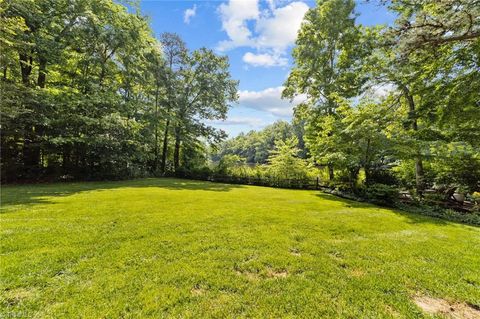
[
  {"x": 255, "y": 147},
  {"x": 87, "y": 92}
]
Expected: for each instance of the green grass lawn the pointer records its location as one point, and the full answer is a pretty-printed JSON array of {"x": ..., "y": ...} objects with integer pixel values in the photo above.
[{"x": 178, "y": 248}]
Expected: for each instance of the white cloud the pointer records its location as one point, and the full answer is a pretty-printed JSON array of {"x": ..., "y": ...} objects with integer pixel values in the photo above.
[
  {"x": 265, "y": 59},
  {"x": 280, "y": 30},
  {"x": 234, "y": 16},
  {"x": 270, "y": 101},
  {"x": 382, "y": 91},
  {"x": 376, "y": 92},
  {"x": 271, "y": 31},
  {"x": 189, "y": 14},
  {"x": 239, "y": 120}
]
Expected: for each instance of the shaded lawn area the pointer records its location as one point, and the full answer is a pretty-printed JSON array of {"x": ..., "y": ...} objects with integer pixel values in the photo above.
[{"x": 179, "y": 248}]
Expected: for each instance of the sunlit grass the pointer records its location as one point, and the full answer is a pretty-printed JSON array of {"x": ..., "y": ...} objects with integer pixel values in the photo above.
[{"x": 178, "y": 248}]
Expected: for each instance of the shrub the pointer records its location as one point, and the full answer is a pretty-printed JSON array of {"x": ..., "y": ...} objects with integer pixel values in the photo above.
[
  {"x": 472, "y": 218},
  {"x": 228, "y": 164},
  {"x": 381, "y": 194},
  {"x": 382, "y": 176},
  {"x": 195, "y": 173}
]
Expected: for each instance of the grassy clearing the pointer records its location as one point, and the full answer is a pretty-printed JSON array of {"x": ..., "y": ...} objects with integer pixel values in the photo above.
[{"x": 177, "y": 248}]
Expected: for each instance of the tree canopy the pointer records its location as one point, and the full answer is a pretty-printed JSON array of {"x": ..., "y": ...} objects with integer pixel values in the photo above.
[{"x": 88, "y": 92}]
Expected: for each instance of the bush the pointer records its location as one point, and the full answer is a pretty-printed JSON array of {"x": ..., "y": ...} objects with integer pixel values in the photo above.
[
  {"x": 228, "y": 164},
  {"x": 472, "y": 218},
  {"x": 382, "y": 177},
  {"x": 201, "y": 173},
  {"x": 381, "y": 194}
]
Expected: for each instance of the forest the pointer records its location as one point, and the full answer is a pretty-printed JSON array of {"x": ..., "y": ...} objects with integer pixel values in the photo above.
[{"x": 89, "y": 93}]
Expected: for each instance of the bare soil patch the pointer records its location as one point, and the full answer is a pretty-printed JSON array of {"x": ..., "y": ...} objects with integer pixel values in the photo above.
[
  {"x": 197, "y": 291},
  {"x": 252, "y": 276},
  {"x": 272, "y": 273},
  {"x": 357, "y": 273},
  {"x": 295, "y": 252},
  {"x": 437, "y": 306}
]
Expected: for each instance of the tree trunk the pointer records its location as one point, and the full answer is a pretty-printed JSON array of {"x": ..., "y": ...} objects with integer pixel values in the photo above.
[
  {"x": 155, "y": 165},
  {"x": 354, "y": 177},
  {"x": 165, "y": 146},
  {"x": 366, "y": 164},
  {"x": 331, "y": 173},
  {"x": 176, "y": 153},
  {"x": 25, "y": 68},
  {"x": 66, "y": 160},
  {"x": 419, "y": 173},
  {"x": 367, "y": 175},
  {"x": 31, "y": 152},
  {"x": 42, "y": 75}
]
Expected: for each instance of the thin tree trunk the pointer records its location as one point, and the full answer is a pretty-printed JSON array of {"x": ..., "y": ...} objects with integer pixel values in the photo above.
[
  {"x": 155, "y": 166},
  {"x": 40, "y": 129},
  {"x": 31, "y": 151},
  {"x": 42, "y": 75},
  {"x": 66, "y": 160},
  {"x": 331, "y": 173},
  {"x": 354, "y": 177},
  {"x": 366, "y": 164},
  {"x": 420, "y": 176},
  {"x": 165, "y": 147},
  {"x": 176, "y": 152},
  {"x": 419, "y": 173},
  {"x": 25, "y": 68}
]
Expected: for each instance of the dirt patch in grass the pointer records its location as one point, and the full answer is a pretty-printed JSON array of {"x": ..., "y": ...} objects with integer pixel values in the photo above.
[
  {"x": 252, "y": 276},
  {"x": 357, "y": 273},
  {"x": 295, "y": 252},
  {"x": 197, "y": 291},
  {"x": 272, "y": 273},
  {"x": 437, "y": 306}
]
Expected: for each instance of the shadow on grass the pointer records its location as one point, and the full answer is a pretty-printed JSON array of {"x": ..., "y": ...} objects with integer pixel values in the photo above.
[
  {"x": 31, "y": 194},
  {"x": 412, "y": 218}
]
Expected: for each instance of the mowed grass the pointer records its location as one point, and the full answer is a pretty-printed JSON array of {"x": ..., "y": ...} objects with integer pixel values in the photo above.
[{"x": 178, "y": 248}]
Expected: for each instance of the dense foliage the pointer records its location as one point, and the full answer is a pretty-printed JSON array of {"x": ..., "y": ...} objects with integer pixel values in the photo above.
[
  {"x": 256, "y": 146},
  {"x": 387, "y": 107},
  {"x": 87, "y": 92},
  {"x": 422, "y": 130}
]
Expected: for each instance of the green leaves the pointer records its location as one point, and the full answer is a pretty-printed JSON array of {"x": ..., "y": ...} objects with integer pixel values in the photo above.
[
  {"x": 327, "y": 50},
  {"x": 284, "y": 161}
]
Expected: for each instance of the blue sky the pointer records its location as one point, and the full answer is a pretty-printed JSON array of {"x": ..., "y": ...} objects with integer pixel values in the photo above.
[{"x": 257, "y": 36}]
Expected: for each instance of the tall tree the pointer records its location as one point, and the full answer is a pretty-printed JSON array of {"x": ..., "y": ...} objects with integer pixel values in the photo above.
[
  {"x": 175, "y": 54},
  {"x": 284, "y": 161},
  {"x": 205, "y": 93},
  {"x": 327, "y": 56}
]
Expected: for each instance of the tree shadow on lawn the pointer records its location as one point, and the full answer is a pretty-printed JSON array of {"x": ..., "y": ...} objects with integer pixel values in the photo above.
[
  {"x": 411, "y": 218},
  {"x": 32, "y": 194}
]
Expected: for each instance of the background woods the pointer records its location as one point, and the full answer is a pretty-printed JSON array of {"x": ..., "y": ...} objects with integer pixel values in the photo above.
[{"x": 87, "y": 92}]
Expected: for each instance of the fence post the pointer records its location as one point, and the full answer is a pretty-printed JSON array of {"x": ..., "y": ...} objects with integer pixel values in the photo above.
[{"x": 317, "y": 186}]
